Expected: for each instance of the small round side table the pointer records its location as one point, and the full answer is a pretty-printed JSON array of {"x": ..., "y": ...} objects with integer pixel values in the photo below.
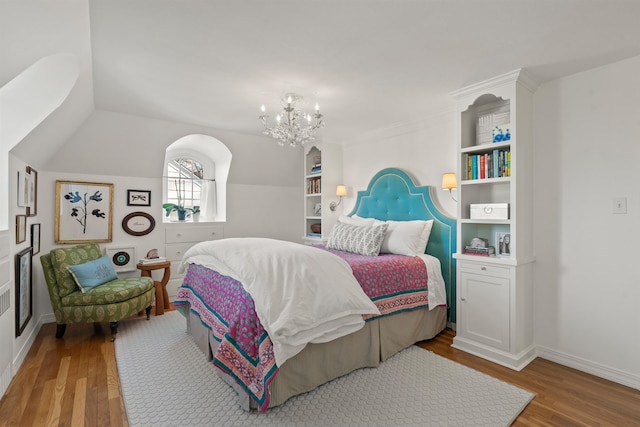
[{"x": 162, "y": 296}]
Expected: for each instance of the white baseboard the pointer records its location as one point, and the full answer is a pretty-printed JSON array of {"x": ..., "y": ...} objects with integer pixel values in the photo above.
[
  {"x": 597, "y": 369},
  {"x": 22, "y": 354}
]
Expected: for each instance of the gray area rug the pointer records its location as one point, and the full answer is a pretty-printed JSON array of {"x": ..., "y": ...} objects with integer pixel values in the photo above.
[{"x": 166, "y": 381}]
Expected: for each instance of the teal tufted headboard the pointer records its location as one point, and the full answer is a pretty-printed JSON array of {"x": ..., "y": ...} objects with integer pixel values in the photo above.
[{"x": 392, "y": 195}]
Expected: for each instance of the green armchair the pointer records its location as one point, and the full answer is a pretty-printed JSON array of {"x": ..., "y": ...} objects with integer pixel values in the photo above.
[{"x": 109, "y": 302}]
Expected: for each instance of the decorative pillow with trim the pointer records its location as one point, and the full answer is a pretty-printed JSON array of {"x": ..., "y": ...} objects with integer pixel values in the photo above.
[
  {"x": 406, "y": 237},
  {"x": 357, "y": 239},
  {"x": 93, "y": 273}
]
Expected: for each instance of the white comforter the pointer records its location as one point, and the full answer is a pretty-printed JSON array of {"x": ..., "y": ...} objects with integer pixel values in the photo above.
[{"x": 301, "y": 294}]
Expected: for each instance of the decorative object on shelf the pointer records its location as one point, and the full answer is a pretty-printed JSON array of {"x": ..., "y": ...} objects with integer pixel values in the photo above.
[
  {"x": 449, "y": 182},
  {"x": 152, "y": 254},
  {"x": 83, "y": 212},
  {"x": 123, "y": 259},
  {"x": 32, "y": 207},
  {"x": 138, "y": 198},
  {"x": 35, "y": 238},
  {"x": 23, "y": 292},
  {"x": 317, "y": 209},
  {"x": 138, "y": 223},
  {"x": 489, "y": 211},
  {"x": 21, "y": 228},
  {"x": 316, "y": 228},
  {"x": 288, "y": 129},
  {"x": 341, "y": 191}
]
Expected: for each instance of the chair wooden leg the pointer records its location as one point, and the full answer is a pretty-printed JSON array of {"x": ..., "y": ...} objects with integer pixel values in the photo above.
[
  {"x": 148, "y": 310},
  {"x": 114, "y": 330},
  {"x": 60, "y": 329}
]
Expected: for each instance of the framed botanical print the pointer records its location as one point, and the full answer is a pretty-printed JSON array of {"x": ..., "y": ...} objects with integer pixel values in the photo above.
[
  {"x": 24, "y": 298},
  {"x": 84, "y": 212}
]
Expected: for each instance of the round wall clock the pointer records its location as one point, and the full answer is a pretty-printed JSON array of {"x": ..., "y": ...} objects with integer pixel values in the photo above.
[{"x": 138, "y": 223}]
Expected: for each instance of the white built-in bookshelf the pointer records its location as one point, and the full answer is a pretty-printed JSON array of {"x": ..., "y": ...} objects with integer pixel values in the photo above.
[
  {"x": 322, "y": 174},
  {"x": 494, "y": 294}
]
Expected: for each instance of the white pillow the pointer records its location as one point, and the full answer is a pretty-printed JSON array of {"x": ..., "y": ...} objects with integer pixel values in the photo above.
[
  {"x": 356, "y": 220},
  {"x": 406, "y": 237},
  {"x": 357, "y": 239}
]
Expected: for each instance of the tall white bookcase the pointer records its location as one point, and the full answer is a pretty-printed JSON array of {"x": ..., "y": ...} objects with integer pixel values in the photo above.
[
  {"x": 320, "y": 188},
  {"x": 494, "y": 293}
]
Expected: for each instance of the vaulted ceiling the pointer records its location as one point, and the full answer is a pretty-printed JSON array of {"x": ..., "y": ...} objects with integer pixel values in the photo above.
[{"x": 368, "y": 63}]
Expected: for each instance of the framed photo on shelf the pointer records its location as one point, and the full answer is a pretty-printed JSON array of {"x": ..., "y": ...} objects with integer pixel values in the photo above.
[
  {"x": 317, "y": 209},
  {"x": 35, "y": 239},
  {"x": 503, "y": 244},
  {"x": 24, "y": 299},
  {"x": 32, "y": 207},
  {"x": 21, "y": 228},
  {"x": 84, "y": 212},
  {"x": 138, "y": 198}
]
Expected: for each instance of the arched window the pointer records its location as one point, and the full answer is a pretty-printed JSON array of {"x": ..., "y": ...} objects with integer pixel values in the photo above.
[{"x": 195, "y": 175}]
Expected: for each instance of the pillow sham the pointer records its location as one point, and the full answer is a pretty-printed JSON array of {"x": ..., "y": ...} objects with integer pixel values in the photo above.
[
  {"x": 93, "y": 273},
  {"x": 406, "y": 237},
  {"x": 356, "y": 220},
  {"x": 357, "y": 239}
]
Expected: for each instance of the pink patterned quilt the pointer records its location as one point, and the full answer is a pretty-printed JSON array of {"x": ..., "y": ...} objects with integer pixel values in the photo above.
[{"x": 393, "y": 282}]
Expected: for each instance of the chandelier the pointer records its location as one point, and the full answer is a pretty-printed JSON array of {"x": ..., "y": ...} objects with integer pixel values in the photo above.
[{"x": 293, "y": 127}]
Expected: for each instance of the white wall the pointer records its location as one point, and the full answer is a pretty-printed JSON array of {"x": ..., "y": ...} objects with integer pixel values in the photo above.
[
  {"x": 587, "y": 151},
  {"x": 425, "y": 150}
]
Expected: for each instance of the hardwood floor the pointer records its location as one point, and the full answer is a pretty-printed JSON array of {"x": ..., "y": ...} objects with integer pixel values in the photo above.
[
  {"x": 564, "y": 396},
  {"x": 74, "y": 381}
]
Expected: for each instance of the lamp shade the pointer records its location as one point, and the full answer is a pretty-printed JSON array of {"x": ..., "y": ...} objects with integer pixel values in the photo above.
[
  {"x": 341, "y": 190},
  {"x": 449, "y": 181}
]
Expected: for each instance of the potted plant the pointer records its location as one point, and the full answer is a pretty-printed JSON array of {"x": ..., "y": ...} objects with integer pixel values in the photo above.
[{"x": 181, "y": 210}]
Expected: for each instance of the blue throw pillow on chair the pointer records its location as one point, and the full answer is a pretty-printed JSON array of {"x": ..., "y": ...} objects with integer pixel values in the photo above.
[{"x": 93, "y": 273}]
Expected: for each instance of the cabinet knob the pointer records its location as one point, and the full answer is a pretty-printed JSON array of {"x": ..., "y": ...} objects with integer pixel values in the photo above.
[
  {"x": 463, "y": 299},
  {"x": 178, "y": 234},
  {"x": 483, "y": 268}
]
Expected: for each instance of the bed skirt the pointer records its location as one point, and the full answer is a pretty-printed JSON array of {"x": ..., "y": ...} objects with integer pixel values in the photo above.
[{"x": 317, "y": 364}]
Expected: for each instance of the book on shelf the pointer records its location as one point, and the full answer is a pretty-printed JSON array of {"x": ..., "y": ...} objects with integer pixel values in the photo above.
[
  {"x": 158, "y": 260},
  {"x": 473, "y": 250},
  {"x": 318, "y": 235},
  {"x": 493, "y": 164}
]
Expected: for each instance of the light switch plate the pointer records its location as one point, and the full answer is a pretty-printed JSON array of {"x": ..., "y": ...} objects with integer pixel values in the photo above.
[{"x": 619, "y": 205}]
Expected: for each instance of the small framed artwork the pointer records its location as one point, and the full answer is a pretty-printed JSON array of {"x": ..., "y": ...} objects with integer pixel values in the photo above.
[
  {"x": 503, "y": 244},
  {"x": 123, "y": 259},
  {"x": 138, "y": 223},
  {"x": 317, "y": 209},
  {"x": 24, "y": 299},
  {"x": 138, "y": 198},
  {"x": 35, "y": 239},
  {"x": 21, "y": 228},
  {"x": 32, "y": 206},
  {"x": 83, "y": 212}
]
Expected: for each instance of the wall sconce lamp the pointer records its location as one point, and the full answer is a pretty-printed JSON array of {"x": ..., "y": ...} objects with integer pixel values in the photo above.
[
  {"x": 449, "y": 182},
  {"x": 341, "y": 191}
]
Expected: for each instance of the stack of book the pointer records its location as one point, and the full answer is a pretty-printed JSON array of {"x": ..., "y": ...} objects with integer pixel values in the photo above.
[
  {"x": 316, "y": 169},
  {"x": 473, "y": 250},
  {"x": 146, "y": 261}
]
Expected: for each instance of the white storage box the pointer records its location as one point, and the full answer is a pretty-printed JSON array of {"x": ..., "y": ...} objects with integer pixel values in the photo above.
[{"x": 489, "y": 211}]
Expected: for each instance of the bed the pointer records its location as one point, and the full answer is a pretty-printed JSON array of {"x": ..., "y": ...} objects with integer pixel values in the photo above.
[{"x": 232, "y": 335}]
